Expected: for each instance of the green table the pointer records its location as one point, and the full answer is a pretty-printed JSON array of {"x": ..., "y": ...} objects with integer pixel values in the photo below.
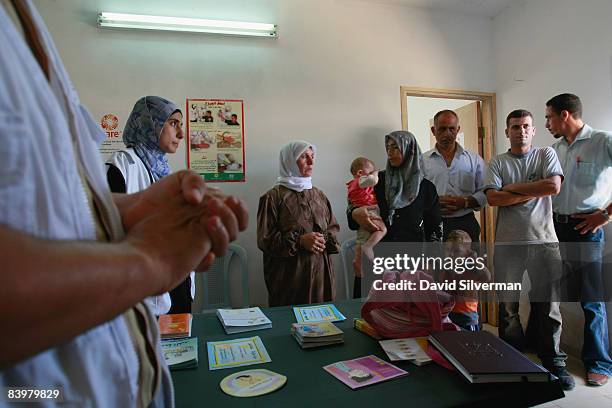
[{"x": 308, "y": 385}]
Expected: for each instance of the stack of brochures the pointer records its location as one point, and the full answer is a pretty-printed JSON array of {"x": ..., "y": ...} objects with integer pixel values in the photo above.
[
  {"x": 412, "y": 350},
  {"x": 175, "y": 326},
  {"x": 243, "y": 320},
  {"x": 310, "y": 335},
  {"x": 180, "y": 354},
  {"x": 364, "y": 371}
]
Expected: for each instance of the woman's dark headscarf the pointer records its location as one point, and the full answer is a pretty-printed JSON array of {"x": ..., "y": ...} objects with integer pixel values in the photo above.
[
  {"x": 143, "y": 130},
  {"x": 402, "y": 183}
]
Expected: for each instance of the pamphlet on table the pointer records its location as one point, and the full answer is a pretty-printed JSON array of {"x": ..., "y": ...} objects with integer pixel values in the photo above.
[
  {"x": 318, "y": 313},
  {"x": 175, "y": 326},
  {"x": 243, "y": 320},
  {"x": 180, "y": 354},
  {"x": 364, "y": 371},
  {"x": 411, "y": 349},
  {"x": 236, "y": 353},
  {"x": 365, "y": 327}
]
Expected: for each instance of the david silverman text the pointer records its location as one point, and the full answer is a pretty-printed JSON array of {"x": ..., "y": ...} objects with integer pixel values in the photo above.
[{"x": 465, "y": 284}]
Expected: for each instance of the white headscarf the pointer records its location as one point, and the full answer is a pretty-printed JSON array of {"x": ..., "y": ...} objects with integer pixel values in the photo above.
[{"x": 290, "y": 175}]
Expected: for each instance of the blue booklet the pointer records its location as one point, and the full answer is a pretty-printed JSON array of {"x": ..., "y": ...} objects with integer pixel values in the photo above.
[{"x": 318, "y": 313}]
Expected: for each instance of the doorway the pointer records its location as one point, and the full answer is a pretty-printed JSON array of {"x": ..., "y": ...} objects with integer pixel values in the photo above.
[{"x": 477, "y": 118}]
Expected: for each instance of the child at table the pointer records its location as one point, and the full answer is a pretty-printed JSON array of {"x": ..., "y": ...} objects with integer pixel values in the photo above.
[{"x": 465, "y": 311}]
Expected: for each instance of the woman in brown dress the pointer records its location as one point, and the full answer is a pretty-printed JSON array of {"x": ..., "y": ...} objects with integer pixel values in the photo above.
[{"x": 296, "y": 231}]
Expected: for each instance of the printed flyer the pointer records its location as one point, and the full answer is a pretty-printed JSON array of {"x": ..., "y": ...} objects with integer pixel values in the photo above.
[
  {"x": 180, "y": 353},
  {"x": 236, "y": 353},
  {"x": 364, "y": 371},
  {"x": 319, "y": 313},
  {"x": 215, "y": 128}
]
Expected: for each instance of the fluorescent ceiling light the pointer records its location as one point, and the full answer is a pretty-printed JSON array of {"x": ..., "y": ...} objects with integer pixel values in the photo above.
[{"x": 195, "y": 25}]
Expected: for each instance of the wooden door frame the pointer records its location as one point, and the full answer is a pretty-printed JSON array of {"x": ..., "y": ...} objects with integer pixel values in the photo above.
[{"x": 487, "y": 134}]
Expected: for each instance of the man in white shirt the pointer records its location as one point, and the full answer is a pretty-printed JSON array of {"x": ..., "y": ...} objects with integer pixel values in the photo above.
[
  {"x": 458, "y": 175},
  {"x": 77, "y": 261},
  {"x": 581, "y": 210}
]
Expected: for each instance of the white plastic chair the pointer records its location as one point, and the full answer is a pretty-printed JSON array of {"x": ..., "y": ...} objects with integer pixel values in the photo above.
[
  {"x": 216, "y": 285},
  {"x": 347, "y": 255}
]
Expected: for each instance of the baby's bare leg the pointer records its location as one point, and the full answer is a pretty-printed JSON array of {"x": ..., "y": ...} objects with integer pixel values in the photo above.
[{"x": 375, "y": 238}]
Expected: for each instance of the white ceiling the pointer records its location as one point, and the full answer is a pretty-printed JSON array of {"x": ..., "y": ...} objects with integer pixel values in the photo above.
[{"x": 482, "y": 8}]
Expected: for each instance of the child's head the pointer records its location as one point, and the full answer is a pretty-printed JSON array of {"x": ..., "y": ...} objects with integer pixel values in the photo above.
[
  {"x": 362, "y": 166},
  {"x": 458, "y": 244}
]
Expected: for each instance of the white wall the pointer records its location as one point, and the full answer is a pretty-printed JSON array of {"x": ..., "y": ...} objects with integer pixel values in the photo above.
[
  {"x": 332, "y": 77},
  {"x": 547, "y": 47}
]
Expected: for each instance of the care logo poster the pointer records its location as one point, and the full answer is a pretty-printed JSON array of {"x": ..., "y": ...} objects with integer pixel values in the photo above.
[
  {"x": 215, "y": 128},
  {"x": 114, "y": 135}
]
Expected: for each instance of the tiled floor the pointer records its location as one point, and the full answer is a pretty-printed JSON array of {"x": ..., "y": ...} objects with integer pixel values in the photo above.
[{"x": 583, "y": 396}]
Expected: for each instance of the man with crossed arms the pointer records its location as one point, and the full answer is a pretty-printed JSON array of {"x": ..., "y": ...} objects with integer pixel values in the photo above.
[{"x": 520, "y": 182}]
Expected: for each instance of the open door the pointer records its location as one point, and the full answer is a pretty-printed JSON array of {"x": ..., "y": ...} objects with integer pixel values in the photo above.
[{"x": 476, "y": 111}]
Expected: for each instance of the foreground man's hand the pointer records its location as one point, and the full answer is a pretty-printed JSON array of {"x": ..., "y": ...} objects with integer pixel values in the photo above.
[{"x": 179, "y": 225}]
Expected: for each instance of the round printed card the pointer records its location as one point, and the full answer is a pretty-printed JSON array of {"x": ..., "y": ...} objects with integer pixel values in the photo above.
[{"x": 251, "y": 383}]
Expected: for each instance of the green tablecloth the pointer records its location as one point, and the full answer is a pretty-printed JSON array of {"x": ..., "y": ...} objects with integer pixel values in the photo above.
[{"x": 308, "y": 385}]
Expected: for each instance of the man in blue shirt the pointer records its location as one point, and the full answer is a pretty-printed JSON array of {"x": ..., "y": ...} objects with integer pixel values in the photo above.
[
  {"x": 458, "y": 175},
  {"x": 581, "y": 210}
]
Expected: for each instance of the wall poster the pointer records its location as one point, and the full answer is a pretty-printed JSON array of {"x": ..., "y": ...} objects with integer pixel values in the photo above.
[
  {"x": 114, "y": 135},
  {"x": 215, "y": 128}
]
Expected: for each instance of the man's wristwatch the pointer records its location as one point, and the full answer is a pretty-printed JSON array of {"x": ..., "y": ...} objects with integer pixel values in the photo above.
[{"x": 607, "y": 214}]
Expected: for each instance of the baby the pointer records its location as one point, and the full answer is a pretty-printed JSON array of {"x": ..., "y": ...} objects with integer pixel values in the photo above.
[{"x": 361, "y": 193}]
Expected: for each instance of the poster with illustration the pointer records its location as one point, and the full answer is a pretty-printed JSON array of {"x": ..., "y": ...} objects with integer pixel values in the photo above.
[{"x": 215, "y": 128}]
